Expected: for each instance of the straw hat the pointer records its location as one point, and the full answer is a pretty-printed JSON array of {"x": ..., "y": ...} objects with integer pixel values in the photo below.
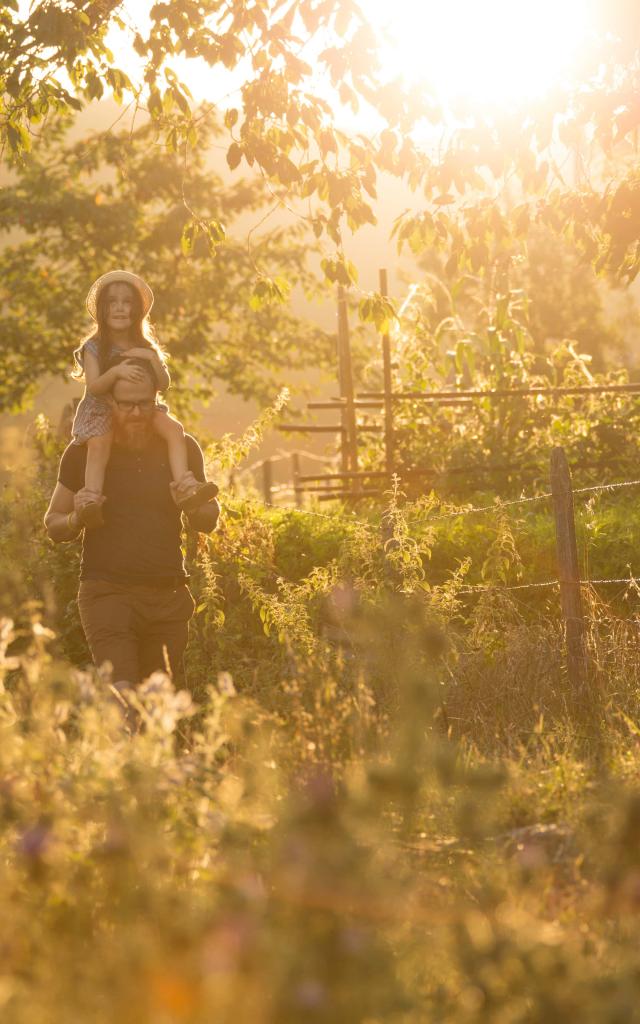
[{"x": 119, "y": 277}]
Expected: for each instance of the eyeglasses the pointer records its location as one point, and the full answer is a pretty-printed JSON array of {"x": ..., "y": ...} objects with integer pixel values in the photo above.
[{"x": 145, "y": 406}]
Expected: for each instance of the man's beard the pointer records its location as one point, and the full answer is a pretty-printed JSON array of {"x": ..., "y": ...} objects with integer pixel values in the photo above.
[{"x": 134, "y": 435}]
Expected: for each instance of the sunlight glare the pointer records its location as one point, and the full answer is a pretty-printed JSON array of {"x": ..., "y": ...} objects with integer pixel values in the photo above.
[
  {"x": 475, "y": 53},
  {"x": 496, "y": 52}
]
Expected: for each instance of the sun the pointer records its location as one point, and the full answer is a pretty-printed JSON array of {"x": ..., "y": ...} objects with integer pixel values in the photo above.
[
  {"x": 479, "y": 53},
  {"x": 483, "y": 52}
]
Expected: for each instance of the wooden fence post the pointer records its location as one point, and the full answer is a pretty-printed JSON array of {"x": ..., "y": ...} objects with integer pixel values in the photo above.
[
  {"x": 568, "y": 571},
  {"x": 295, "y": 473},
  {"x": 388, "y": 400},
  {"x": 267, "y": 481},
  {"x": 349, "y": 436}
]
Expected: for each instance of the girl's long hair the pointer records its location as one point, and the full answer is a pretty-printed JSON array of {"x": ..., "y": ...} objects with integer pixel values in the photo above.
[{"x": 142, "y": 334}]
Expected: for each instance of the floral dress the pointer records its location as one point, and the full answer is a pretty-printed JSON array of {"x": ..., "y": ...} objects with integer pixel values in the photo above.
[{"x": 93, "y": 415}]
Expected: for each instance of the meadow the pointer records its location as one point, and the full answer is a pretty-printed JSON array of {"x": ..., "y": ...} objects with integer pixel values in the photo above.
[{"x": 377, "y": 801}]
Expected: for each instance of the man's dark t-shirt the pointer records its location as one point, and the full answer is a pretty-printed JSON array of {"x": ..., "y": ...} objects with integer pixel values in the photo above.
[{"x": 140, "y": 541}]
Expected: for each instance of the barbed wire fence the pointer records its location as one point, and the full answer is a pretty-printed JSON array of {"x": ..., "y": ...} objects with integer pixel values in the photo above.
[
  {"x": 568, "y": 580},
  {"x": 497, "y": 506}
]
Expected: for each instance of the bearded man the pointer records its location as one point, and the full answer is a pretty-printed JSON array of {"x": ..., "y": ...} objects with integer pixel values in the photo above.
[{"x": 133, "y": 598}]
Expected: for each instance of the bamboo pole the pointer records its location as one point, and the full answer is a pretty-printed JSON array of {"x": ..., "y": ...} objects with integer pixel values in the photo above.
[
  {"x": 337, "y": 403},
  {"x": 312, "y": 428},
  {"x": 267, "y": 481},
  {"x": 464, "y": 396},
  {"x": 330, "y": 495},
  {"x": 325, "y": 428},
  {"x": 350, "y": 442},
  {"x": 388, "y": 387},
  {"x": 295, "y": 473}
]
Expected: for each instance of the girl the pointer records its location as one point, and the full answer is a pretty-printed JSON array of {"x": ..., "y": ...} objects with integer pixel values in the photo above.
[{"x": 120, "y": 302}]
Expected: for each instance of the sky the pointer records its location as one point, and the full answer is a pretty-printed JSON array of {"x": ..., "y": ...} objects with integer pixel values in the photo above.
[
  {"x": 487, "y": 51},
  {"x": 493, "y": 52}
]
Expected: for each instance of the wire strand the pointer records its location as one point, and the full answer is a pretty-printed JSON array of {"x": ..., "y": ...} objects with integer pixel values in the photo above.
[
  {"x": 497, "y": 506},
  {"x": 607, "y": 487}
]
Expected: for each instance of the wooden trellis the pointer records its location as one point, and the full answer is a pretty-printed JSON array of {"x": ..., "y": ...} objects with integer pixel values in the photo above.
[{"x": 353, "y": 482}]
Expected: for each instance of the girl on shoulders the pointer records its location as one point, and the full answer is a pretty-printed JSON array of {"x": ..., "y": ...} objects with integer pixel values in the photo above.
[{"x": 120, "y": 302}]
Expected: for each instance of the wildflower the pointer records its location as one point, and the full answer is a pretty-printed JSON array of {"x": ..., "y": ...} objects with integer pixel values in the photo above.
[
  {"x": 35, "y": 841},
  {"x": 86, "y": 686},
  {"x": 310, "y": 993},
  {"x": 225, "y": 684}
]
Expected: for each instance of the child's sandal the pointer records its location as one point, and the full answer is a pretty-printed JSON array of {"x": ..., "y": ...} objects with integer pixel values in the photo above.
[
  {"x": 90, "y": 515},
  {"x": 204, "y": 492}
]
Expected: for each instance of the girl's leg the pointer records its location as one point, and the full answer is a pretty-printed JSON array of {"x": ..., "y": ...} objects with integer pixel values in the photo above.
[
  {"x": 190, "y": 493},
  {"x": 173, "y": 433},
  {"x": 98, "y": 451}
]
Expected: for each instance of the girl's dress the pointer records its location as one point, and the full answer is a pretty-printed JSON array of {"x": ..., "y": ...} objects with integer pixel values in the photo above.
[{"x": 93, "y": 415}]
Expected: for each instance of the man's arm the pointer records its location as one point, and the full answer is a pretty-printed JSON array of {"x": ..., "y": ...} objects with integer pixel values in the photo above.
[{"x": 61, "y": 519}]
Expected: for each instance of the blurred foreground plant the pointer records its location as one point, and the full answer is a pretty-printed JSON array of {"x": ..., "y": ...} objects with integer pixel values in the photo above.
[{"x": 205, "y": 869}]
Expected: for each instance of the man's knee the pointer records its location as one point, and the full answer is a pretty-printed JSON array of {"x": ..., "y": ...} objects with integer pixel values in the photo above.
[{"x": 164, "y": 640}]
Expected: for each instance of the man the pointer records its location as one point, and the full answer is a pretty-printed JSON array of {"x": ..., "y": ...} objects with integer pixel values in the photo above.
[{"x": 134, "y": 600}]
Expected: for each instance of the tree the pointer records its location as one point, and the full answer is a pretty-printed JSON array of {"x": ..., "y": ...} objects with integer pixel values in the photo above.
[
  {"x": 55, "y": 57},
  {"x": 494, "y": 179},
  {"x": 122, "y": 196},
  {"x": 567, "y": 300}
]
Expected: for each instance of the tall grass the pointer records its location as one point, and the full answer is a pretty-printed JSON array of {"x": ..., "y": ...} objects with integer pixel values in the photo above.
[{"x": 375, "y": 802}]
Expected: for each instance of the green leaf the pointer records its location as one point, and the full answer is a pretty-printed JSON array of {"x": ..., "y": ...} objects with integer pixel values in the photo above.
[
  {"x": 287, "y": 170},
  {"x": 269, "y": 290},
  {"x": 181, "y": 101},
  {"x": 18, "y": 137},
  {"x": 189, "y": 234},
  {"x": 154, "y": 103},
  {"x": 215, "y": 234},
  {"x": 234, "y": 155},
  {"x": 259, "y": 295},
  {"x": 216, "y": 230},
  {"x": 281, "y": 288}
]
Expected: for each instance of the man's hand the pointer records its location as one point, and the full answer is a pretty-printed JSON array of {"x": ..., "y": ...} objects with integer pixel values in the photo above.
[
  {"x": 87, "y": 509},
  {"x": 66, "y": 514},
  {"x": 184, "y": 487},
  {"x": 85, "y": 497}
]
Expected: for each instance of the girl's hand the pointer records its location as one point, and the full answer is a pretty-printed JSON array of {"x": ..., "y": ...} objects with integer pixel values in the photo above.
[
  {"x": 163, "y": 380},
  {"x": 130, "y": 372}
]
